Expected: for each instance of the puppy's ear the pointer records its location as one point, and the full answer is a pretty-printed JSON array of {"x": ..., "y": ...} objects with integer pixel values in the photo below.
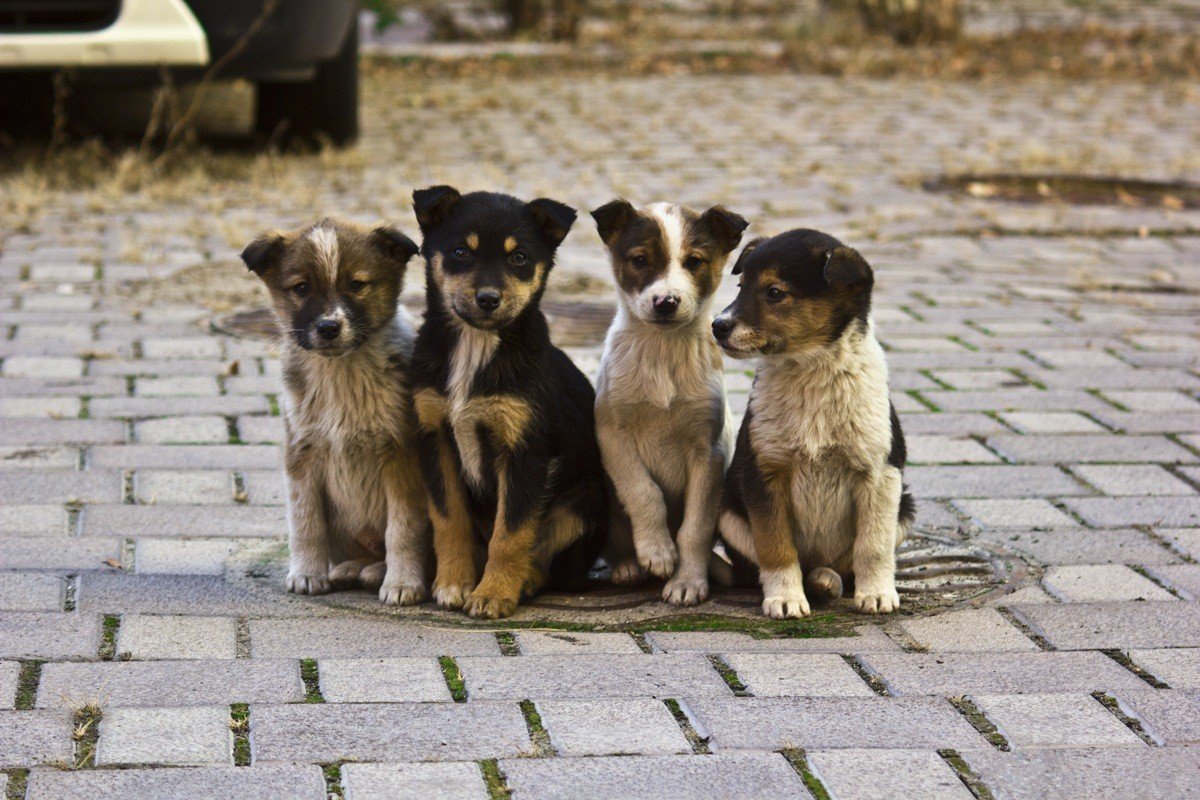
[
  {"x": 844, "y": 267},
  {"x": 394, "y": 244},
  {"x": 725, "y": 226},
  {"x": 740, "y": 264},
  {"x": 263, "y": 254},
  {"x": 553, "y": 218},
  {"x": 612, "y": 218},
  {"x": 433, "y": 205}
]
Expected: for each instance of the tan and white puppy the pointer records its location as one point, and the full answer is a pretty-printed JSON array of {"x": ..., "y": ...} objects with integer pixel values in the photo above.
[
  {"x": 661, "y": 417},
  {"x": 356, "y": 500}
]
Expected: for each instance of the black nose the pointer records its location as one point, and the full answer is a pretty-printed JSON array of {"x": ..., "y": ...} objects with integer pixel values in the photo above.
[
  {"x": 329, "y": 328},
  {"x": 666, "y": 305},
  {"x": 723, "y": 326},
  {"x": 488, "y": 300}
]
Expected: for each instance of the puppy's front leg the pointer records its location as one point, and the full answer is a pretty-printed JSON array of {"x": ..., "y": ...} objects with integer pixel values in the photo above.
[
  {"x": 877, "y": 497},
  {"x": 406, "y": 540},
  {"x": 308, "y": 530},
  {"x": 690, "y": 582},
  {"x": 768, "y": 500},
  {"x": 642, "y": 499}
]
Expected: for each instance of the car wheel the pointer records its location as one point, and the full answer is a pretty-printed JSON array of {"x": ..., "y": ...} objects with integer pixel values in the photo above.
[{"x": 324, "y": 108}]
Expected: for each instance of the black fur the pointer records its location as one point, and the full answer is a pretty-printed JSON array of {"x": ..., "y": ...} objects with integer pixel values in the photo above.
[{"x": 897, "y": 458}]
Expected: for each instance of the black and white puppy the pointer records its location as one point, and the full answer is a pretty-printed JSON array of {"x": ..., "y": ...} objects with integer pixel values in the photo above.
[
  {"x": 508, "y": 440},
  {"x": 356, "y": 499},
  {"x": 814, "y": 495},
  {"x": 664, "y": 426}
]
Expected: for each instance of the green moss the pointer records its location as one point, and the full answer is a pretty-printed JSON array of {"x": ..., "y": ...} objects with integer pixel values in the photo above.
[
  {"x": 799, "y": 762},
  {"x": 312, "y": 682},
  {"x": 239, "y": 723},
  {"x": 17, "y": 779},
  {"x": 730, "y": 677},
  {"x": 537, "y": 731},
  {"x": 108, "y": 640},
  {"x": 333, "y": 781},
  {"x": 497, "y": 788},
  {"x": 508, "y": 643},
  {"x": 27, "y": 684},
  {"x": 453, "y": 675},
  {"x": 699, "y": 744}
]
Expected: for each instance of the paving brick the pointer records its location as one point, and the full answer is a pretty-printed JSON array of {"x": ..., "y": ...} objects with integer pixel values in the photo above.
[
  {"x": 175, "y": 386},
  {"x": 948, "y": 450},
  {"x": 1023, "y": 513},
  {"x": 1084, "y": 583},
  {"x": 596, "y": 677},
  {"x": 183, "y": 557},
  {"x": 33, "y": 520},
  {"x": 992, "y": 482},
  {"x": 261, "y": 430},
  {"x": 57, "y": 552},
  {"x": 198, "y": 487},
  {"x": 868, "y": 638},
  {"x": 1151, "y": 422},
  {"x": 724, "y": 776},
  {"x": 192, "y": 347},
  {"x": 61, "y": 387},
  {"x": 1179, "y": 669},
  {"x": 30, "y": 738},
  {"x": 1052, "y": 422},
  {"x": 1114, "y": 512},
  {"x": 265, "y": 488},
  {"x": 871, "y": 774},
  {"x": 245, "y": 456},
  {"x": 1103, "y": 626},
  {"x": 1054, "y": 720},
  {"x": 9, "y": 674},
  {"x": 450, "y": 780},
  {"x": 193, "y": 736},
  {"x": 42, "y": 367},
  {"x": 1019, "y": 399},
  {"x": 1182, "y": 578},
  {"x": 170, "y": 683},
  {"x": 114, "y": 592},
  {"x": 182, "y": 430},
  {"x": 1170, "y": 716},
  {"x": 33, "y": 432},
  {"x": 1132, "y": 479},
  {"x": 768, "y": 723},
  {"x": 186, "y": 783},
  {"x": 64, "y": 486},
  {"x": 30, "y": 592},
  {"x": 183, "y": 520},
  {"x": 954, "y": 674},
  {"x": 950, "y": 424},
  {"x": 19, "y": 459},
  {"x": 1086, "y": 546},
  {"x": 1036, "y": 774},
  {"x": 612, "y": 727},
  {"x": 148, "y": 637},
  {"x": 971, "y": 630},
  {"x": 1153, "y": 401},
  {"x": 327, "y": 732},
  {"x": 382, "y": 680},
  {"x": 1186, "y": 541},
  {"x": 26, "y": 634},
  {"x": 1085, "y": 448},
  {"x": 359, "y": 638},
  {"x": 785, "y": 675},
  {"x": 51, "y": 407},
  {"x": 150, "y": 407}
]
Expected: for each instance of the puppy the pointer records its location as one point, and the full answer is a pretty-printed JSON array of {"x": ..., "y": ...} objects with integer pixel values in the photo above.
[
  {"x": 664, "y": 427},
  {"x": 508, "y": 442},
  {"x": 356, "y": 498},
  {"x": 815, "y": 484}
]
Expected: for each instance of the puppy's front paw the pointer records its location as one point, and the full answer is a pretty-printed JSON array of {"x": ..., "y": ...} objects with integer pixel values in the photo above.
[
  {"x": 880, "y": 602},
  {"x": 659, "y": 557},
  {"x": 307, "y": 583},
  {"x": 790, "y": 606},
  {"x": 372, "y": 575},
  {"x": 396, "y": 593},
  {"x": 452, "y": 595},
  {"x": 686, "y": 590},
  {"x": 483, "y": 606},
  {"x": 628, "y": 573}
]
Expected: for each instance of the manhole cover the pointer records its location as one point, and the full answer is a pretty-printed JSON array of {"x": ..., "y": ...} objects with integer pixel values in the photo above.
[{"x": 1074, "y": 189}]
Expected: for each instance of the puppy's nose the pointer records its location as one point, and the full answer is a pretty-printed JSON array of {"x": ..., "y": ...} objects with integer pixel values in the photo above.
[
  {"x": 723, "y": 326},
  {"x": 329, "y": 329},
  {"x": 665, "y": 305},
  {"x": 487, "y": 299}
]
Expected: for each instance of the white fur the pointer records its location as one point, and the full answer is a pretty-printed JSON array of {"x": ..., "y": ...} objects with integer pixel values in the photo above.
[
  {"x": 325, "y": 244},
  {"x": 675, "y": 281},
  {"x": 473, "y": 350}
]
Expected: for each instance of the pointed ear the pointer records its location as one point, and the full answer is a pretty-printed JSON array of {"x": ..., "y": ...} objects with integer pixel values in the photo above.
[
  {"x": 433, "y": 205},
  {"x": 844, "y": 267},
  {"x": 394, "y": 244},
  {"x": 740, "y": 264},
  {"x": 612, "y": 218},
  {"x": 263, "y": 253},
  {"x": 725, "y": 226},
  {"x": 553, "y": 218}
]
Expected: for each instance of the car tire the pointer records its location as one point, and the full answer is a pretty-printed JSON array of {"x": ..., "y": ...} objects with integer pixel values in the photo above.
[{"x": 324, "y": 108}]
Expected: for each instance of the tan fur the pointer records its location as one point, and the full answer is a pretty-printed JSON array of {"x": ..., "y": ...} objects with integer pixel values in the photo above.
[
  {"x": 509, "y": 560},
  {"x": 510, "y": 244},
  {"x": 453, "y": 536},
  {"x": 473, "y": 241},
  {"x": 431, "y": 409}
]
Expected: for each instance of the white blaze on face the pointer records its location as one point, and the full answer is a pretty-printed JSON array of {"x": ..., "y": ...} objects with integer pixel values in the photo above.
[
  {"x": 325, "y": 247},
  {"x": 675, "y": 281}
]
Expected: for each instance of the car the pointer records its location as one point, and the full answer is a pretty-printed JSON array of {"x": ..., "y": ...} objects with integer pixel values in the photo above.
[{"x": 301, "y": 54}]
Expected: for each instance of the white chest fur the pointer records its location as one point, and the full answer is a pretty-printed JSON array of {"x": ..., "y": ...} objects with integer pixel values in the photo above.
[{"x": 473, "y": 350}]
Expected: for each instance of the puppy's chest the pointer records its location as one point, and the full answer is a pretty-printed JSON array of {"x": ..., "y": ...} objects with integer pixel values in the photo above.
[{"x": 351, "y": 411}]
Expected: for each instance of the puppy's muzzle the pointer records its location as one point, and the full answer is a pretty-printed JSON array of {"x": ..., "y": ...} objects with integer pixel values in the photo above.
[
  {"x": 723, "y": 326},
  {"x": 487, "y": 300},
  {"x": 329, "y": 329},
  {"x": 665, "y": 306}
]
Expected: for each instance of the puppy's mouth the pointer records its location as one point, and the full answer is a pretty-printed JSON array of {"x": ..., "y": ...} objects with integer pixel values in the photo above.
[{"x": 479, "y": 319}]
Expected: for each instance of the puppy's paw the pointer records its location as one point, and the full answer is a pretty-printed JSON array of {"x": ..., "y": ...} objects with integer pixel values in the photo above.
[
  {"x": 482, "y": 606},
  {"x": 346, "y": 573},
  {"x": 533, "y": 584},
  {"x": 791, "y": 606},
  {"x": 659, "y": 557},
  {"x": 881, "y": 602},
  {"x": 686, "y": 590},
  {"x": 372, "y": 575},
  {"x": 395, "y": 593},
  {"x": 307, "y": 583},
  {"x": 628, "y": 573},
  {"x": 452, "y": 595}
]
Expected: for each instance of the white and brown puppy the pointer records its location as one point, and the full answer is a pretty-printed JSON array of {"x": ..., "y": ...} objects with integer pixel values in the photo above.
[
  {"x": 814, "y": 495},
  {"x": 356, "y": 499},
  {"x": 661, "y": 418}
]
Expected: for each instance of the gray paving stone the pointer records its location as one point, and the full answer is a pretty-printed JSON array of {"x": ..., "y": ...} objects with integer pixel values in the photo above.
[
  {"x": 951, "y": 424},
  {"x": 1084, "y": 583},
  {"x": 190, "y": 736},
  {"x": 1086, "y": 546},
  {"x": 31, "y": 738},
  {"x": 196, "y": 487},
  {"x": 948, "y": 450},
  {"x": 563, "y": 643},
  {"x": 149, "y": 407},
  {"x": 1102, "y": 626},
  {"x": 10, "y": 672},
  {"x": 19, "y": 459},
  {"x": 51, "y": 407},
  {"x": 148, "y": 637},
  {"x": 1132, "y": 479},
  {"x": 1017, "y": 513},
  {"x": 183, "y": 520},
  {"x": 170, "y": 683},
  {"x": 182, "y": 430},
  {"x": 768, "y": 723},
  {"x": 185, "y": 783},
  {"x": 1186, "y": 541},
  {"x": 183, "y": 556},
  {"x": 62, "y": 486},
  {"x": 1115, "y": 512},
  {"x": 1089, "y": 772},
  {"x": 261, "y": 430},
  {"x": 115, "y": 592},
  {"x": 871, "y": 774},
  {"x": 449, "y": 780},
  {"x": 1147, "y": 422},
  {"x": 382, "y": 680},
  {"x": 57, "y": 552},
  {"x": 191, "y": 347},
  {"x": 359, "y": 638},
  {"x": 596, "y": 677},
  {"x": 970, "y": 630},
  {"x": 42, "y": 367},
  {"x": 322, "y": 733},
  {"x": 1054, "y": 720},
  {"x": 33, "y": 520},
  {"x": 992, "y": 482},
  {"x": 1171, "y": 716},
  {"x": 1052, "y": 422},
  {"x": 34, "y": 432},
  {"x": 232, "y": 456},
  {"x": 176, "y": 386},
  {"x": 955, "y": 674},
  {"x": 265, "y": 488},
  {"x": 61, "y": 387},
  {"x": 1153, "y": 401},
  {"x": 612, "y": 727},
  {"x": 26, "y": 634},
  {"x": 869, "y": 638},
  {"x": 31, "y": 592},
  {"x": 1085, "y": 448},
  {"x": 1019, "y": 399},
  {"x": 724, "y": 776},
  {"x": 1179, "y": 669},
  {"x": 786, "y": 675}
]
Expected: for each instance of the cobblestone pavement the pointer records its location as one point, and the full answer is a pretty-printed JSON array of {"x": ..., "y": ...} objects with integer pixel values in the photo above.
[{"x": 1045, "y": 360}]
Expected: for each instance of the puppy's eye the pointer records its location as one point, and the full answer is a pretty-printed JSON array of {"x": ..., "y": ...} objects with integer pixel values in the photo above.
[
  {"x": 639, "y": 261},
  {"x": 357, "y": 286},
  {"x": 775, "y": 294},
  {"x": 518, "y": 258},
  {"x": 300, "y": 289},
  {"x": 693, "y": 262},
  {"x": 461, "y": 252}
]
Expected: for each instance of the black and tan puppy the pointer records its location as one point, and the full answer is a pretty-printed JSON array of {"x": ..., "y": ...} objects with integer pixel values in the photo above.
[
  {"x": 814, "y": 495},
  {"x": 356, "y": 498},
  {"x": 508, "y": 440}
]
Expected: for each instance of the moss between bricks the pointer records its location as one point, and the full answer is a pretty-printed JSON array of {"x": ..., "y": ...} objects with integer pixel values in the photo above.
[
  {"x": 333, "y": 781},
  {"x": 976, "y": 786},
  {"x": 312, "y": 682},
  {"x": 497, "y": 786},
  {"x": 17, "y": 779},
  {"x": 86, "y": 733},
  {"x": 537, "y": 731},
  {"x": 453, "y": 676},
  {"x": 799, "y": 761},
  {"x": 698, "y": 743},
  {"x": 239, "y": 723},
  {"x": 27, "y": 684}
]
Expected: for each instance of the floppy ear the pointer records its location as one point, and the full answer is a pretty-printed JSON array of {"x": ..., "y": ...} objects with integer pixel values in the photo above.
[
  {"x": 612, "y": 218},
  {"x": 725, "y": 226},
  {"x": 263, "y": 253},
  {"x": 553, "y": 218},
  {"x": 394, "y": 244},
  {"x": 740, "y": 263},
  {"x": 433, "y": 205},
  {"x": 844, "y": 267}
]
